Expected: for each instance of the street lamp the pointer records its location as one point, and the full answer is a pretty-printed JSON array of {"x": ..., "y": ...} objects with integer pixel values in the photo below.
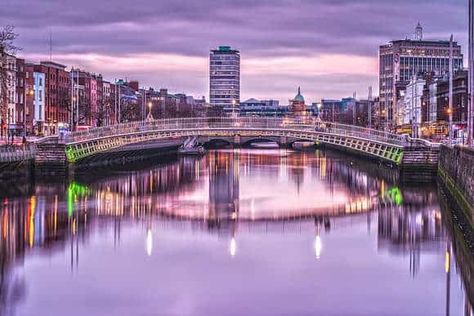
[
  {"x": 449, "y": 111},
  {"x": 149, "y": 116}
]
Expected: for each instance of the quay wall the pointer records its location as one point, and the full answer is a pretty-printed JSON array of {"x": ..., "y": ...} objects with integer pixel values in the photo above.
[{"x": 456, "y": 172}]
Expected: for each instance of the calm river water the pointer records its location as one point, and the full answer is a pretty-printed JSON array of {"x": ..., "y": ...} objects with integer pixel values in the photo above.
[{"x": 237, "y": 232}]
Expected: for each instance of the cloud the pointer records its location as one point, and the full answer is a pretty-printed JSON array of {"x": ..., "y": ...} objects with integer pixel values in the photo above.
[{"x": 291, "y": 33}]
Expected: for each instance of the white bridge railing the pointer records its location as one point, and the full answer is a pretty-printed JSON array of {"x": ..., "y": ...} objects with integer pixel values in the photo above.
[{"x": 241, "y": 123}]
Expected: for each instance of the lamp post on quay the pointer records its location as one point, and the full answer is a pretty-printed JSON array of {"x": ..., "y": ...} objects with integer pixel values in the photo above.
[{"x": 149, "y": 116}]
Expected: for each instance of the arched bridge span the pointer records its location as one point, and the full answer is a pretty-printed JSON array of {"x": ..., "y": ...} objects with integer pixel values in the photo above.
[{"x": 379, "y": 144}]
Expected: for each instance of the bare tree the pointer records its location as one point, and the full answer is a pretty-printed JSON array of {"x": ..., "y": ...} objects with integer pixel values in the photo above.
[
  {"x": 130, "y": 110},
  {"x": 85, "y": 111},
  {"x": 7, "y": 48}
]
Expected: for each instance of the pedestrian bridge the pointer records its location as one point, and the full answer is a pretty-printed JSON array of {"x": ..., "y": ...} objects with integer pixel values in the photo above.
[{"x": 378, "y": 144}]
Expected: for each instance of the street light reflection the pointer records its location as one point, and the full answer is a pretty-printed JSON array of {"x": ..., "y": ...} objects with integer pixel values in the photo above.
[
  {"x": 233, "y": 247},
  {"x": 318, "y": 246},
  {"x": 149, "y": 242}
]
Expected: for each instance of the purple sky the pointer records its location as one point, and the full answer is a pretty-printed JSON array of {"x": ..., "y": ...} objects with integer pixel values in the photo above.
[{"x": 328, "y": 47}]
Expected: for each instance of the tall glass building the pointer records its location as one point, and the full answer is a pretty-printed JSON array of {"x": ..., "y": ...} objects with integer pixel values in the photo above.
[{"x": 224, "y": 77}]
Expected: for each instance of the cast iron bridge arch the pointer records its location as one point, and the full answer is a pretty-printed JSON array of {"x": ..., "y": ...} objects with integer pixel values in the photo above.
[{"x": 382, "y": 145}]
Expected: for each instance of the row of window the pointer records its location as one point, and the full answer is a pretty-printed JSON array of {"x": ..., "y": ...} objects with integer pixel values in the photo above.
[
  {"x": 224, "y": 96},
  {"x": 225, "y": 57},
  {"x": 220, "y": 74},
  {"x": 222, "y": 81}
]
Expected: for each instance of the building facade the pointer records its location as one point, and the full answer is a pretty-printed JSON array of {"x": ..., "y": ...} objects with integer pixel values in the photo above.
[
  {"x": 400, "y": 60},
  {"x": 329, "y": 110},
  {"x": 38, "y": 102},
  {"x": 11, "y": 92},
  {"x": 224, "y": 77},
  {"x": 57, "y": 96},
  {"x": 412, "y": 102},
  {"x": 88, "y": 103},
  {"x": 29, "y": 96},
  {"x": 254, "y": 107},
  {"x": 108, "y": 102},
  {"x": 460, "y": 98},
  {"x": 297, "y": 105},
  {"x": 20, "y": 104}
]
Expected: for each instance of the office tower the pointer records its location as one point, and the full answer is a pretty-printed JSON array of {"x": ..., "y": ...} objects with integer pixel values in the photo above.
[{"x": 224, "y": 77}]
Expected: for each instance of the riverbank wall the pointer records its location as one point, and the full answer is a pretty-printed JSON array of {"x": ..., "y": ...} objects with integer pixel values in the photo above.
[{"x": 456, "y": 172}]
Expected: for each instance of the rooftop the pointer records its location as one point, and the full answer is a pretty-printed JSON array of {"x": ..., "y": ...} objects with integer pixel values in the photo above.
[
  {"x": 224, "y": 50},
  {"x": 52, "y": 64}
]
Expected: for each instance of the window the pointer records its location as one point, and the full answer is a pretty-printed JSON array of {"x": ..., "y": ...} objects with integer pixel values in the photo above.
[{"x": 40, "y": 95}]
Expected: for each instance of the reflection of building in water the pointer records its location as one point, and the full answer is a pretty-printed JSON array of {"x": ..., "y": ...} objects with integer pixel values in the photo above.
[
  {"x": 60, "y": 218},
  {"x": 297, "y": 165},
  {"x": 223, "y": 185},
  {"x": 150, "y": 191},
  {"x": 173, "y": 190},
  {"x": 412, "y": 228},
  {"x": 40, "y": 222},
  {"x": 462, "y": 246}
]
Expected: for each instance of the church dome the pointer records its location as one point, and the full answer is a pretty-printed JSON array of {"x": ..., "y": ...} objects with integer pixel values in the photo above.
[{"x": 299, "y": 97}]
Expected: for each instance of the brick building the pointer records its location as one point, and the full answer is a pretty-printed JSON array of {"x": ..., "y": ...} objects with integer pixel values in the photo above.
[{"x": 57, "y": 96}]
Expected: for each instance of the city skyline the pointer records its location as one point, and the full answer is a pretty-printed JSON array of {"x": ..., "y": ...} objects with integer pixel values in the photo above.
[{"x": 313, "y": 45}]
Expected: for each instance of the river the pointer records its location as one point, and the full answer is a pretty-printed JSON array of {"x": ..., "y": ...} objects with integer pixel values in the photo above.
[{"x": 236, "y": 232}]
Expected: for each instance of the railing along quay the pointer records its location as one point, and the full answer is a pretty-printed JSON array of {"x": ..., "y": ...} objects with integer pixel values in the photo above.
[
  {"x": 17, "y": 153},
  {"x": 251, "y": 123}
]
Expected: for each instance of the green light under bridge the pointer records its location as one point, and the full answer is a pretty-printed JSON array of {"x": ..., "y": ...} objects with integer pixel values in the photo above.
[
  {"x": 395, "y": 195},
  {"x": 74, "y": 191}
]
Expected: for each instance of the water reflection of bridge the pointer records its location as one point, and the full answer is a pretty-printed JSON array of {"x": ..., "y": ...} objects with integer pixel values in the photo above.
[{"x": 169, "y": 190}]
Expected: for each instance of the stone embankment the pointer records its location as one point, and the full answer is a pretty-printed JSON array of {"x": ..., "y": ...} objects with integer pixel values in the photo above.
[{"x": 456, "y": 171}]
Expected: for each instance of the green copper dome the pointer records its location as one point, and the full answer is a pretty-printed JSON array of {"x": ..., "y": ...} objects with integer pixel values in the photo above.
[{"x": 299, "y": 97}]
